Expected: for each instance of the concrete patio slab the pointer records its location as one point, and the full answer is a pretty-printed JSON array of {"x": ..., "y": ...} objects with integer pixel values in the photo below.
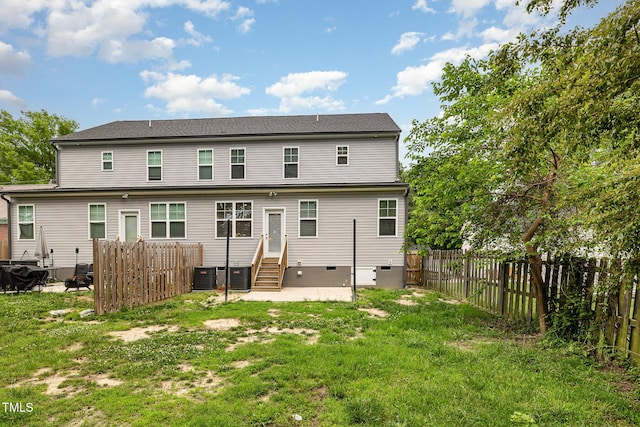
[{"x": 301, "y": 294}]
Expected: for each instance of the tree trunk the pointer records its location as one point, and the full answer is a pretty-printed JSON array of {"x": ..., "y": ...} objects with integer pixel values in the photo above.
[
  {"x": 539, "y": 288},
  {"x": 533, "y": 257}
]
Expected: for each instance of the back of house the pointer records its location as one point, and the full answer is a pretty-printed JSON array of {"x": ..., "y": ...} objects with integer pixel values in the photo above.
[{"x": 271, "y": 184}]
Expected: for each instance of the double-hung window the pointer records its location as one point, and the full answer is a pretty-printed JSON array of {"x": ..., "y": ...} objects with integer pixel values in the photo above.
[
  {"x": 26, "y": 222},
  {"x": 387, "y": 217},
  {"x": 238, "y": 162},
  {"x": 239, "y": 216},
  {"x": 107, "y": 160},
  {"x": 97, "y": 221},
  {"x": 154, "y": 165},
  {"x": 308, "y": 217},
  {"x": 205, "y": 165},
  {"x": 342, "y": 154},
  {"x": 291, "y": 162},
  {"x": 168, "y": 220}
]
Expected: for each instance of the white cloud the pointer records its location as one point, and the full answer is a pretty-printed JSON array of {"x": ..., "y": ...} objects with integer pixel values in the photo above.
[
  {"x": 495, "y": 34},
  {"x": 291, "y": 88},
  {"x": 407, "y": 42},
  {"x": 414, "y": 81},
  {"x": 95, "y": 102},
  {"x": 18, "y": 13},
  {"x": 12, "y": 61},
  {"x": 448, "y": 36},
  {"x": 422, "y": 6},
  {"x": 83, "y": 27},
  {"x": 137, "y": 50},
  {"x": 80, "y": 30},
  {"x": 9, "y": 98},
  {"x": 208, "y": 7},
  {"x": 468, "y": 8},
  {"x": 245, "y": 16},
  {"x": 197, "y": 38},
  {"x": 191, "y": 93}
]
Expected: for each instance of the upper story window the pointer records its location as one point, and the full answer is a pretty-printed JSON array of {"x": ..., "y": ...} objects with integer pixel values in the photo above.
[
  {"x": 308, "y": 215},
  {"x": 239, "y": 215},
  {"x": 387, "y": 217},
  {"x": 205, "y": 165},
  {"x": 238, "y": 162},
  {"x": 290, "y": 162},
  {"x": 154, "y": 165},
  {"x": 97, "y": 221},
  {"x": 342, "y": 155},
  {"x": 107, "y": 160},
  {"x": 26, "y": 222},
  {"x": 168, "y": 220}
]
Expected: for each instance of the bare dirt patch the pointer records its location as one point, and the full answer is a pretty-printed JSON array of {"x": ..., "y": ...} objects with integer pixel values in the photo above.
[
  {"x": 240, "y": 364},
  {"x": 136, "y": 334},
  {"x": 103, "y": 380},
  {"x": 264, "y": 336},
  {"x": 219, "y": 298},
  {"x": 405, "y": 300},
  {"x": 470, "y": 345},
  {"x": 222, "y": 324},
  {"x": 73, "y": 347},
  {"x": 274, "y": 312},
  {"x": 450, "y": 301},
  {"x": 375, "y": 312},
  {"x": 207, "y": 380},
  {"x": 55, "y": 381}
]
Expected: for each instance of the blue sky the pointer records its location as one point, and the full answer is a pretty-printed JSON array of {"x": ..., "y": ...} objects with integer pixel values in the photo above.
[{"x": 105, "y": 60}]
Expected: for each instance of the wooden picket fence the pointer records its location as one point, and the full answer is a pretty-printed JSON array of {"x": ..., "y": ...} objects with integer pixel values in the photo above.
[
  {"x": 132, "y": 274},
  {"x": 505, "y": 289}
]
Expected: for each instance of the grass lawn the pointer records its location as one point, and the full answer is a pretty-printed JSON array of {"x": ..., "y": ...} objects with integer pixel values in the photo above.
[{"x": 410, "y": 359}]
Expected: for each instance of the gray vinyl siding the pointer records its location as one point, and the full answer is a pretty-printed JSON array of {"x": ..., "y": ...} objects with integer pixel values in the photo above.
[
  {"x": 65, "y": 222},
  {"x": 370, "y": 160}
]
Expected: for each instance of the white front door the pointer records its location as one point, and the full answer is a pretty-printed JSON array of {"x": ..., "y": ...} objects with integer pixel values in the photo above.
[
  {"x": 274, "y": 232},
  {"x": 129, "y": 226}
]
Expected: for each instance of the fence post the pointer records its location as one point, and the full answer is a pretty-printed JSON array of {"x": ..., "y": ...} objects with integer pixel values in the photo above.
[
  {"x": 503, "y": 277},
  {"x": 467, "y": 273}
]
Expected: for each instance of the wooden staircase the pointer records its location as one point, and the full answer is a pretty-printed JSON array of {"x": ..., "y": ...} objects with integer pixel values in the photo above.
[
  {"x": 267, "y": 273},
  {"x": 268, "y": 276}
]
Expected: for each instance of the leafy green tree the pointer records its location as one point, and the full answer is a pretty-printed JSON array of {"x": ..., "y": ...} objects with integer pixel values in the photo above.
[
  {"x": 534, "y": 145},
  {"x": 26, "y": 153}
]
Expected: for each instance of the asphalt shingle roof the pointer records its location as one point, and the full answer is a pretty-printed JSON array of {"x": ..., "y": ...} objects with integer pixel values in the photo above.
[{"x": 238, "y": 126}]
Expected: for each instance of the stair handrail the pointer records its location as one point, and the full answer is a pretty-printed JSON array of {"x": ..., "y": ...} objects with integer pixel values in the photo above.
[
  {"x": 283, "y": 261},
  {"x": 256, "y": 263}
]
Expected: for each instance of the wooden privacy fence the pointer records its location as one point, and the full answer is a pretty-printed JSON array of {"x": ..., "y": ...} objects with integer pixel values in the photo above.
[
  {"x": 414, "y": 269},
  {"x": 132, "y": 274},
  {"x": 4, "y": 249},
  {"x": 505, "y": 289}
]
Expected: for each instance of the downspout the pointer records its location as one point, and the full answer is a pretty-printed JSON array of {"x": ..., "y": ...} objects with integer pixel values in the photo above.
[
  {"x": 9, "y": 228},
  {"x": 404, "y": 237},
  {"x": 55, "y": 146}
]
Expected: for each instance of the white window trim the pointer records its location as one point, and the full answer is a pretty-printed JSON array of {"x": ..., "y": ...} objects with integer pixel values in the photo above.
[
  {"x": 300, "y": 219},
  {"x": 284, "y": 163},
  {"x": 233, "y": 219},
  {"x": 342, "y": 155},
  {"x": 161, "y": 166},
  {"x": 96, "y": 222},
  {"x": 387, "y": 217},
  {"x": 213, "y": 171},
  {"x": 33, "y": 221},
  {"x": 167, "y": 221},
  {"x": 232, "y": 164},
  {"x": 112, "y": 162}
]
